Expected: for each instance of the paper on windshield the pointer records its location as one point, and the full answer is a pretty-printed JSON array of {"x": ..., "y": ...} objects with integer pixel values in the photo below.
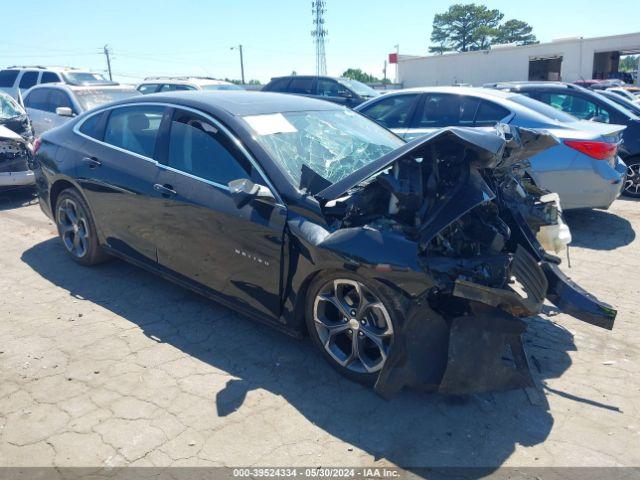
[{"x": 270, "y": 124}]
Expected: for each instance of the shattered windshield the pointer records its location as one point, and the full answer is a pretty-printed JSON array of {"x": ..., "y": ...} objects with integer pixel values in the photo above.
[
  {"x": 332, "y": 143},
  {"x": 9, "y": 108}
]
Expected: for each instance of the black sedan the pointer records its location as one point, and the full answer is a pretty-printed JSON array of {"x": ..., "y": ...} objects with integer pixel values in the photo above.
[{"x": 406, "y": 263}]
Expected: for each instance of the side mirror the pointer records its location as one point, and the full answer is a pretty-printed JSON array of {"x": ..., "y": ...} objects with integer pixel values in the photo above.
[
  {"x": 64, "y": 112},
  {"x": 244, "y": 190},
  {"x": 345, "y": 94}
]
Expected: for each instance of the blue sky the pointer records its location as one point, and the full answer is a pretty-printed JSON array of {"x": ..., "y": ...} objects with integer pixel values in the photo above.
[{"x": 194, "y": 37}]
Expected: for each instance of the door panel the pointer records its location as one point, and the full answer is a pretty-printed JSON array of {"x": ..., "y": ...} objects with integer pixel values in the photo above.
[
  {"x": 118, "y": 182},
  {"x": 204, "y": 236}
]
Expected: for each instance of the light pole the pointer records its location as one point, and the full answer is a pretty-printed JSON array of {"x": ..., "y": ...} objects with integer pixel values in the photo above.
[
  {"x": 239, "y": 47},
  {"x": 397, "y": 59}
]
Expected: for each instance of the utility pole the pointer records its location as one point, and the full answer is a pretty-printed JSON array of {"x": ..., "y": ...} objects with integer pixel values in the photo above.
[
  {"x": 319, "y": 33},
  {"x": 384, "y": 73},
  {"x": 106, "y": 54},
  {"x": 239, "y": 47},
  {"x": 397, "y": 59}
]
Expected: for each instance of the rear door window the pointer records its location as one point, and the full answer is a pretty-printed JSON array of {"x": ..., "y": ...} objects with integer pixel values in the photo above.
[
  {"x": 278, "y": 85},
  {"x": 393, "y": 111},
  {"x": 49, "y": 77},
  {"x": 439, "y": 110},
  {"x": 29, "y": 79},
  {"x": 302, "y": 85},
  {"x": 134, "y": 129},
  {"x": 8, "y": 77}
]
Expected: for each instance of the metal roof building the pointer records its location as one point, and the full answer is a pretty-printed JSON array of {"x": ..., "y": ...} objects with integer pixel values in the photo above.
[{"x": 567, "y": 59}]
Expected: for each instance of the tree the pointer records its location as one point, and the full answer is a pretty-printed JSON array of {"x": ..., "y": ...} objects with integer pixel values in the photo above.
[
  {"x": 515, "y": 31},
  {"x": 359, "y": 75},
  {"x": 464, "y": 27},
  {"x": 629, "y": 63}
]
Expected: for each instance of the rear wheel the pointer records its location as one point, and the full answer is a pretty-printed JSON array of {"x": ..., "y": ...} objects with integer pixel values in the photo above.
[
  {"x": 350, "y": 320},
  {"x": 632, "y": 182},
  {"x": 77, "y": 230}
]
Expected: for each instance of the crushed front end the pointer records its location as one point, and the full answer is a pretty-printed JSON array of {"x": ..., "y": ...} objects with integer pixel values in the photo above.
[{"x": 486, "y": 238}]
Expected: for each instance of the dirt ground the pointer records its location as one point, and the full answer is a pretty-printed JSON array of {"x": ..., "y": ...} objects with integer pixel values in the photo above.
[{"x": 114, "y": 366}]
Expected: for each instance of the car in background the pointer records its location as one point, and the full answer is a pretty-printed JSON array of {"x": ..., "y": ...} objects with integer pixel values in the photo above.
[
  {"x": 622, "y": 92},
  {"x": 408, "y": 264},
  {"x": 581, "y": 83},
  {"x": 17, "y": 80},
  {"x": 588, "y": 105},
  {"x": 583, "y": 168},
  {"x": 172, "y": 84},
  {"x": 16, "y": 138},
  {"x": 343, "y": 91},
  {"x": 51, "y": 105},
  {"x": 632, "y": 106}
]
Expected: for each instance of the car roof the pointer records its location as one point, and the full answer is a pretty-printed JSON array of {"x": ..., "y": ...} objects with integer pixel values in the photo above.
[
  {"x": 238, "y": 103},
  {"x": 473, "y": 91},
  {"x": 185, "y": 80},
  {"x": 75, "y": 88}
]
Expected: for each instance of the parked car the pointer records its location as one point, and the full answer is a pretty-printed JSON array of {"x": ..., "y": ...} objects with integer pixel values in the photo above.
[
  {"x": 587, "y": 105},
  {"x": 633, "y": 107},
  {"x": 170, "y": 84},
  {"x": 583, "y": 168},
  {"x": 17, "y": 80},
  {"x": 343, "y": 91},
  {"x": 16, "y": 137},
  {"x": 51, "y": 105},
  {"x": 393, "y": 257},
  {"x": 622, "y": 92}
]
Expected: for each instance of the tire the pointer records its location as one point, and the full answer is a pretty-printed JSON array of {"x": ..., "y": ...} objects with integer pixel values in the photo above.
[
  {"x": 631, "y": 186},
  {"x": 334, "y": 329},
  {"x": 77, "y": 230}
]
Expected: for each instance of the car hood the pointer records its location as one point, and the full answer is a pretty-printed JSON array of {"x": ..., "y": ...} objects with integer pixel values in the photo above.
[{"x": 488, "y": 150}]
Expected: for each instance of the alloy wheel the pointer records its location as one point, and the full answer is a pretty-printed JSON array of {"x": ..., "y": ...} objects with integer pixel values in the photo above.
[
  {"x": 73, "y": 228},
  {"x": 632, "y": 182},
  {"x": 353, "y": 324}
]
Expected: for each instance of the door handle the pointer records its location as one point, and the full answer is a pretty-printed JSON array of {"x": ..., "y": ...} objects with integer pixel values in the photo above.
[
  {"x": 166, "y": 190},
  {"x": 92, "y": 162}
]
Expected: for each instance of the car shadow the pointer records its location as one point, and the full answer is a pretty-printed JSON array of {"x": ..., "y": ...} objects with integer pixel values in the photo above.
[
  {"x": 413, "y": 430},
  {"x": 599, "y": 229},
  {"x": 16, "y": 197}
]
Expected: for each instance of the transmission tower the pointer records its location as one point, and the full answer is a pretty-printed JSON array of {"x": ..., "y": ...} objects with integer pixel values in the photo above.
[{"x": 319, "y": 33}]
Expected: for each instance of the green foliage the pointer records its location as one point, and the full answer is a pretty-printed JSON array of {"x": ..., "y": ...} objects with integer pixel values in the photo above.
[
  {"x": 629, "y": 63},
  {"x": 466, "y": 27},
  {"x": 359, "y": 75},
  {"x": 515, "y": 31}
]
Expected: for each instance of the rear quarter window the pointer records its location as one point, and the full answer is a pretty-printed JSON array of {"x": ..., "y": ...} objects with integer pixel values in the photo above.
[
  {"x": 8, "y": 77},
  {"x": 94, "y": 126}
]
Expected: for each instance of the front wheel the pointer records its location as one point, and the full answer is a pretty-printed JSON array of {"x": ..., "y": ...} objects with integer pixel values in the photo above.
[
  {"x": 632, "y": 182},
  {"x": 351, "y": 321},
  {"x": 77, "y": 230}
]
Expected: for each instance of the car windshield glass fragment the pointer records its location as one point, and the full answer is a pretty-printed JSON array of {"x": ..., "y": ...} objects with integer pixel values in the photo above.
[
  {"x": 359, "y": 87},
  {"x": 95, "y": 97},
  {"x": 79, "y": 78},
  {"x": 9, "y": 108},
  {"x": 332, "y": 143}
]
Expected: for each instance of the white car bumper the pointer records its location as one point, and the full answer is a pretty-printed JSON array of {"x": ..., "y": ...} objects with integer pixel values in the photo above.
[{"x": 15, "y": 179}]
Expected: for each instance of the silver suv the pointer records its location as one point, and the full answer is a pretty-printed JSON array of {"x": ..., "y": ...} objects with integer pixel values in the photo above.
[
  {"x": 17, "y": 80},
  {"x": 171, "y": 84}
]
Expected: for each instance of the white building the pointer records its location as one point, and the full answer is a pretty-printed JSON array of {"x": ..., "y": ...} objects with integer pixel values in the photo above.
[{"x": 567, "y": 59}]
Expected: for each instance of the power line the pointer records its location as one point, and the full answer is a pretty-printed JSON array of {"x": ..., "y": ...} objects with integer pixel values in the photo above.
[{"x": 319, "y": 33}]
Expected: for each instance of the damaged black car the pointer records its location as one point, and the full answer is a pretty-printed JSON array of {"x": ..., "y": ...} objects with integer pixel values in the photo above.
[
  {"x": 408, "y": 264},
  {"x": 16, "y": 144}
]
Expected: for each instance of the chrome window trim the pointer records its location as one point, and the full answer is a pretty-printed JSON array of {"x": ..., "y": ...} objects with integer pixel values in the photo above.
[{"x": 216, "y": 123}]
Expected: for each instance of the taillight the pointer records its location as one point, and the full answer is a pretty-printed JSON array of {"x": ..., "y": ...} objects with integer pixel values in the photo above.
[
  {"x": 597, "y": 150},
  {"x": 36, "y": 145}
]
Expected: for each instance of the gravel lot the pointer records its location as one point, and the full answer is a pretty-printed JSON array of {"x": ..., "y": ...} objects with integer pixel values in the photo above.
[{"x": 114, "y": 366}]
